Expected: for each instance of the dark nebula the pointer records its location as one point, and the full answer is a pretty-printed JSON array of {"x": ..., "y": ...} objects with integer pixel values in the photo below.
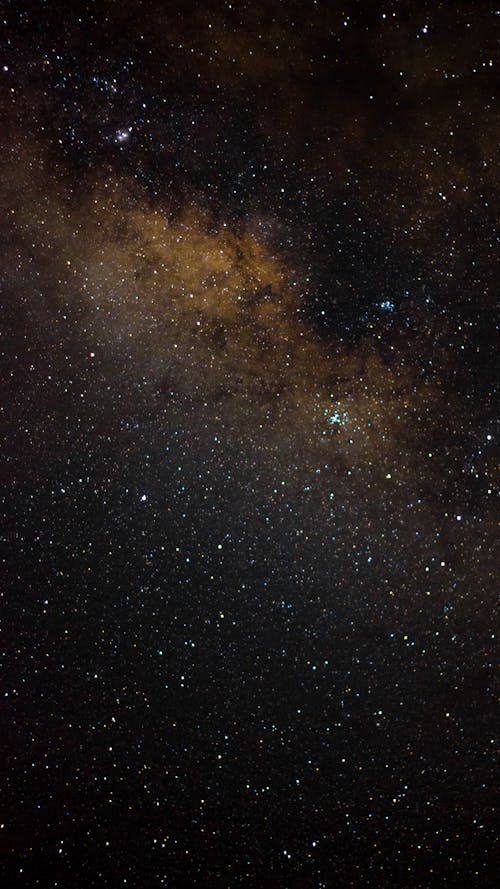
[{"x": 249, "y": 426}]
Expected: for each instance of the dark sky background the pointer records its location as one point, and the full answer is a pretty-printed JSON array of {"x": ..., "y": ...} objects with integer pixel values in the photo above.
[{"x": 249, "y": 491}]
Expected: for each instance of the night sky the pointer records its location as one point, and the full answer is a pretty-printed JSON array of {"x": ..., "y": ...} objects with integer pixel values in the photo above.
[{"x": 249, "y": 474}]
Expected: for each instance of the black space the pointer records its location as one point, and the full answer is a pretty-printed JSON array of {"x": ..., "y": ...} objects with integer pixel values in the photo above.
[{"x": 249, "y": 292}]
